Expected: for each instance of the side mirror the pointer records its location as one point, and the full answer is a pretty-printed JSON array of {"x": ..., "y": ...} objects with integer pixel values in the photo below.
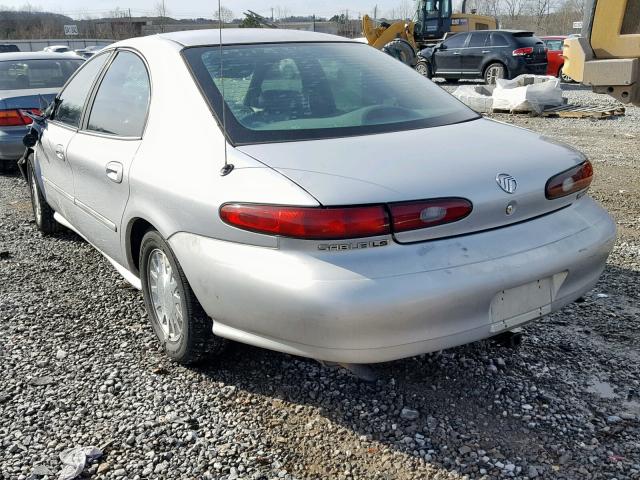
[{"x": 440, "y": 46}]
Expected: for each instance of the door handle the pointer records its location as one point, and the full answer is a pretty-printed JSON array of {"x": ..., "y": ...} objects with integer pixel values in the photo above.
[
  {"x": 486, "y": 51},
  {"x": 60, "y": 151},
  {"x": 114, "y": 171},
  {"x": 456, "y": 53}
]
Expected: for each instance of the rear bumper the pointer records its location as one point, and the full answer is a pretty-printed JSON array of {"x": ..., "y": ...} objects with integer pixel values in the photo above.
[
  {"x": 386, "y": 303},
  {"x": 11, "y": 146},
  {"x": 523, "y": 67}
]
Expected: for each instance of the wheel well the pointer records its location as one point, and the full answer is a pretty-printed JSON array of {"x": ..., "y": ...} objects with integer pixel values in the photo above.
[{"x": 137, "y": 230}]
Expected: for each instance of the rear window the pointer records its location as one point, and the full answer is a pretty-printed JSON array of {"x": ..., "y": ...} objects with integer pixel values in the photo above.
[
  {"x": 527, "y": 39},
  {"x": 30, "y": 74},
  {"x": 287, "y": 92}
]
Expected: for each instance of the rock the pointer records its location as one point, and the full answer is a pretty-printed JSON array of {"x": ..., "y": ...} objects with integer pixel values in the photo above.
[
  {"x": 103, "y": 468},
  {"x": 409, "y": 414},
  {"x": 613, "y": 419},
  {"x": 41, "y": 471},
  {"x": 532, "y": 472},
  {"x": 61, "y": 354}
]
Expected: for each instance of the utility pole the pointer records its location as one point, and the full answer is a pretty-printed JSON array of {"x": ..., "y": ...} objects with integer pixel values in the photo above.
[
  {"x": 314, "y": 22},
  {"x": 375, "y": 13},
  {"x": 272, "y": 14}
]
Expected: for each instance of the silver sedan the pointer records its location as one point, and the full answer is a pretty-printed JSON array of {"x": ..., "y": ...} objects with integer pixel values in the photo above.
[{"x": 308, "y": 194}]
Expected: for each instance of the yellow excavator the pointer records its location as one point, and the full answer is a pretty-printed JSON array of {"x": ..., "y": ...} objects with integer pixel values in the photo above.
[
  {"x": 607, "y": 55},
  {"x": 434, "y": 19}
]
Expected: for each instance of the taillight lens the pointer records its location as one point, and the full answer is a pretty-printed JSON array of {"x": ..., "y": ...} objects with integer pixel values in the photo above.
[
  {"x": 16, "y": 117},
  {"x": 570, "y": 181},
  {"x": 308, "y": 222},
  {"x": 428, "y": 213},
  {"x": 519, "y": 52}
]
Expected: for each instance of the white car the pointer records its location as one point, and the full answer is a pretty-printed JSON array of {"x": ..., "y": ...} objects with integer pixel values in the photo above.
[
  {"x": 57, "y": 49},
  {"x": 309, "y": 194}
]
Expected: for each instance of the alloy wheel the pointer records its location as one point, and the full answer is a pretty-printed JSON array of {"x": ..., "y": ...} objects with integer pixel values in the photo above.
[{"x": 165, "y": 296}]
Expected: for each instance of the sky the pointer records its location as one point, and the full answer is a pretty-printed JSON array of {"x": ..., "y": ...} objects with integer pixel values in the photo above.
[{"x": 205, "y": 8}]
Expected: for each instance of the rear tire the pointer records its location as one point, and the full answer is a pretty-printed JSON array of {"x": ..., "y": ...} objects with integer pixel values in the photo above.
[
  {"x": 424, "y": 68},
  {"x": 178, "y": 320},
  {"x": 42, "y": 212},
  {"x": 493, "y": 72}
]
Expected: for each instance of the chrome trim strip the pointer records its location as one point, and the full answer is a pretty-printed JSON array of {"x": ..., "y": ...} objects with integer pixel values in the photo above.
[
  {"x": 101, "y": 218},
  {"x": 126, "y": 274},
  {"x": 58, "y": 189}
]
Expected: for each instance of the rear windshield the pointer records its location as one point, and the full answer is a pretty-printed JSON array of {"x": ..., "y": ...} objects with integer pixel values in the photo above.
[
  {"x": 526, "y": 39},
  {"x": 300, "y": 91},
  {"x": 29, "y": 74}
]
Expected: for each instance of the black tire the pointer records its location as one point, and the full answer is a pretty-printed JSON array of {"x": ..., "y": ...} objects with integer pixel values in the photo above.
[
  {"x": 196, "y": 342},
  {"x": 401, "y": 50},
  {"x": 493, "y": 71},
  {"x": 424, "y": 68},
  {"x": 42, "y": 212}
]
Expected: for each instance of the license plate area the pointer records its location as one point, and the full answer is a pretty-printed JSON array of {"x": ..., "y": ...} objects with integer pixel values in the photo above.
[{"x": 519, "y": 305}]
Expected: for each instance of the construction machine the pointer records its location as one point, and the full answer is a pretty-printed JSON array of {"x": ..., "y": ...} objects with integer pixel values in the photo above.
[
  {"x": 433, "y": 20},
  {"x": 607, "y": 55}
]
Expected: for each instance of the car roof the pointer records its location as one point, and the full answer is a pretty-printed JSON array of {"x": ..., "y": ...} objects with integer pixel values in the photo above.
[
  {"x": 37, "y": 56},
  {"x": 191, "y": 38},
  {"x": 554, "y": 37}
]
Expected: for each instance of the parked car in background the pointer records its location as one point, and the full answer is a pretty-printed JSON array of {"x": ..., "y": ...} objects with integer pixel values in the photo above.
[
  {"x": 57, "y": 49},
  {"x": 28, "y": 82},
  {"x": 8, "y": 47},
  {"x": 286, "y": 230},
  {"x": 89, "y": 52},
  {"x": 488, "y": 54},
  {"x": 555, "y": 61}
]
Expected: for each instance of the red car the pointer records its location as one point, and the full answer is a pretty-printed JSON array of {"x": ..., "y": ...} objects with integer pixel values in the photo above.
[{"x": 555, "y": 61}]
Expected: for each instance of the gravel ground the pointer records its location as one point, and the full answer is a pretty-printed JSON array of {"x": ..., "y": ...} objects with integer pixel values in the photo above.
[{"x": 80, "y": 366}]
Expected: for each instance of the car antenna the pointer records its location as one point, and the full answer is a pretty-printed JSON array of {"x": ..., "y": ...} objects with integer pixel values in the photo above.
[{"x": 228, "y": 167}]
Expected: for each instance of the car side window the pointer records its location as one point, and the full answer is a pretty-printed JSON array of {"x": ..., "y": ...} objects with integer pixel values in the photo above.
[
  {"x": 121, "y": 103},
  {"x": 478, "y": 39},
  {"x": 72, "y": 99},
  {"x": 498, "y": 40},
  {"x": 457, "y": 41}
]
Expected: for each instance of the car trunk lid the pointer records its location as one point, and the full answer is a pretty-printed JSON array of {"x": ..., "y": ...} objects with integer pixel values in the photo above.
[{"x": 461, "y": 160}]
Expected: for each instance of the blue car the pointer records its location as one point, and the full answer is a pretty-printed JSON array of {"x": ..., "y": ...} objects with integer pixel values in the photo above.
[{"x": 28, "y": 82}]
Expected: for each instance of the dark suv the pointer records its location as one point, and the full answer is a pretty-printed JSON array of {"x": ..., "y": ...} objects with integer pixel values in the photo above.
[
  {"x": 8, "y": 47},
  {"x": 489, "y": 54}
]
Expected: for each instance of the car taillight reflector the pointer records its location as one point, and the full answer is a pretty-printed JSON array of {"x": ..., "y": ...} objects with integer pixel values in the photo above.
[
  {"x": 428, "y": 213},
  {"x": 570, "y": 181},
  {"x": 16, "y": 117},
  {"x": 308, "y": 222},
  {"x": 519, "y": 52}
]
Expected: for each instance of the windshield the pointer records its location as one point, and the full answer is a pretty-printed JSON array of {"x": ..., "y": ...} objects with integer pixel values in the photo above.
[
  {"x": 301, "y": 91},
  {"x": 30, "y": 74}
]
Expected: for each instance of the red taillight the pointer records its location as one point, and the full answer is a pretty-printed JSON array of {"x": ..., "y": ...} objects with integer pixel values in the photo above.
[
  {"x": 519, "y": 52},
  {"x": 428, "y": 213},
  {"x": 570, "y": 181},
  {"x": 308, "y": 222},
  {"x": 16, "y": 117}
]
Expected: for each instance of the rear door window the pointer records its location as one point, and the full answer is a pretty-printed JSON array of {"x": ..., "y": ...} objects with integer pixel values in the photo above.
[
  {"x": 478, "y": 39},
  {"x": 72, "y": 99},
  {"x": 122, "y": 100}
]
